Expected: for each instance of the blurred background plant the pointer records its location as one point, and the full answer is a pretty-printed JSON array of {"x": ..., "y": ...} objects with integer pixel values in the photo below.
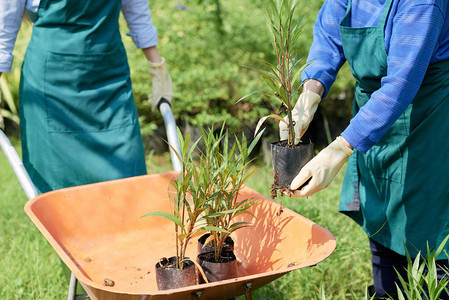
[
  {"x": 9, "y": 82},
  {"x": 208, "y": 45},
  {"x": 421, "y": 280}
]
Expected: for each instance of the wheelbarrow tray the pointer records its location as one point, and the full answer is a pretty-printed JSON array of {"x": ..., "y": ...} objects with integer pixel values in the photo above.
[{"x": 100, "y": 234}]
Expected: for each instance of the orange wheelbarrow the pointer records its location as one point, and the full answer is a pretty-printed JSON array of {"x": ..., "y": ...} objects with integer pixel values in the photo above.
[{"x": 99, "y": 233}]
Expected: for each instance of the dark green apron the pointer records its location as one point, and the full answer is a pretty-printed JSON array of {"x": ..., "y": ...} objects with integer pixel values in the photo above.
[
  {"x": 398, "y": 191},
  {"x": 78, "y": 117}
]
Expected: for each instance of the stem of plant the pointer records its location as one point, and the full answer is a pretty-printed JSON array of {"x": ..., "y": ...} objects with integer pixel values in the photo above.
[
  {"x": 291, "y": 125},
  {"x": 282, "y": 67},
  {"x": 178, "y": 258},
  {"x": 216, "y": 249}
]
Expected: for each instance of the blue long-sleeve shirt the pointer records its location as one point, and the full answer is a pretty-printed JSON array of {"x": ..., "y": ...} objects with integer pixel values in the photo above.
[{"x": 416, "y": 35}]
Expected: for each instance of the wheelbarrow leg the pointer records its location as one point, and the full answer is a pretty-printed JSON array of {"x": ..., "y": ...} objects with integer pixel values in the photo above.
[
  {"x": 72, "y": 287},
  {"x": 72, "y": 290},
  {"x": 196, "y": 295},
  {"x": 248, "y": 292}
]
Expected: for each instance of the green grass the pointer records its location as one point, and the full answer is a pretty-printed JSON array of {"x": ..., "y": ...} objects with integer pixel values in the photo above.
[
  {"x": 30, "y": 269},
  {"x": 347, "y": 269}
]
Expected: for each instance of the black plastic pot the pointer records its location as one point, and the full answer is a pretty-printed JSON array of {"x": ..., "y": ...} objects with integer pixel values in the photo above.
[
  {"x": 228, "y": 246},
  {"x": 167, "y": 277},
  {"x": 287, "y": 162},
  {"x": 217, "y": 271}
]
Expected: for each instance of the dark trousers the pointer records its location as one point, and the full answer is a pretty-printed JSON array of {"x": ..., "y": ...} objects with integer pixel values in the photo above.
[{"x": 386, "y": 262}]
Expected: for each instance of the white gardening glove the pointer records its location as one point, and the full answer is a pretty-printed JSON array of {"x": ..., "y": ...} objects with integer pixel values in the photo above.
[
  {"x": 302, "y": 115},
  {"x": 162, "y": 84},
  {"x": 322, "y": 168}
]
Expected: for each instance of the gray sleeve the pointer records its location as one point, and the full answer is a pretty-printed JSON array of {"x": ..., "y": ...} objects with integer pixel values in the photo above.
[
  {"x": 138, "y": 17},
  {"x": 11, "y": 12}
]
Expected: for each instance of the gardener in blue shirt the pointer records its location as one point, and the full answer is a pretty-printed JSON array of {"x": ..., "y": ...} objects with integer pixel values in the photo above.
[
  {"x": 78, "y": 119},
  {"x": 396, "y": 185}
]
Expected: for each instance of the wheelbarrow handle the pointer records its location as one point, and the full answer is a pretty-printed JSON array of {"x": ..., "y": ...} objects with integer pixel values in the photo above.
[
  {"x": 17, "y": 165},
  {"x": 170, "y": 129}
]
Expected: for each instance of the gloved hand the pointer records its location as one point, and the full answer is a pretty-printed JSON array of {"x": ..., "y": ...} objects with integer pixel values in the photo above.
[
  {"x": 322, "y": 168},
  {"x": 302, "y": 115},
  {"x": 162, "y": 84}
]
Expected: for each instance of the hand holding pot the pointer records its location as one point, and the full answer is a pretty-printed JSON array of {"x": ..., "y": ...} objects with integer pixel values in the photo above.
[
  {"x": 302, "y": 115},
  {"x": 162, "y": 83},
  {"x": 322, "y": 168}
]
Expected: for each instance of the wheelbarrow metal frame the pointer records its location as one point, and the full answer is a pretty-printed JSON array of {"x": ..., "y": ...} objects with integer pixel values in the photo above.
[
  {"x": 245, "y": 284},
  {"x": 30, "y": 189}
]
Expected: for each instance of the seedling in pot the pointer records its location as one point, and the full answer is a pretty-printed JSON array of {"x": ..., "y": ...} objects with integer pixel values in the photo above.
[
  {"x": 187, "y": 215},
  {"x": 283, "y": 81},
  {"x": 230, "y": 165}
]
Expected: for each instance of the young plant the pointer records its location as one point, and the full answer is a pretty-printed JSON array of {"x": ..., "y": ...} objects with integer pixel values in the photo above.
[
  {"x": 230, "y": 173},
  {"x": 422, "y": 281},
  {"x": 189, "y": 201},
  {"x": 282, "y": 77}
]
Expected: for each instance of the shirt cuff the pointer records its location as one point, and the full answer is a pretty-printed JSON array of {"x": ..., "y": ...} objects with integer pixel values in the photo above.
[
  {"x": 326, "y": 79},
  {"x": 144, "y": 39},
  {"x": 357, "y": 138},
  {"x": 6, "y": 62}
]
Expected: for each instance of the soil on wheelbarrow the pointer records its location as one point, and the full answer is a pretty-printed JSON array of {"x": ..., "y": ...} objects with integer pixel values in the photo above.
[{"x": 108, "y": 282}]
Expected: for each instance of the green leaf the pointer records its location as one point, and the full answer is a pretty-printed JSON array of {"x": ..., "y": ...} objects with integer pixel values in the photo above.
[
  {"x": 220, "y": 213},
  {"x": 165, "y": 215},
  {"x": 441, "y": 247},
  {"x": 213, "y": 228},
  {"x": 9, "y": 99},
  {"x": 259, "y": 124},
  {"x": 238, "y": 224},
  {"x": 250, "y": 94},
  {"x": 174, "y": 150},
  {"x": 7, "y": 114},
  {"x": 255, "y": 141},
  {"x": 193, "y": 147},
  {"x": 182, "y": 236},
  {"x": 208, "y": 241},
  {"x": 249, "y": 175}
]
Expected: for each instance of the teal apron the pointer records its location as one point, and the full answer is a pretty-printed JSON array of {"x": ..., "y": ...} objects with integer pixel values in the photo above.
[
  {"x": 78, "y": 117},
  {"x": 398, "y": 192}
]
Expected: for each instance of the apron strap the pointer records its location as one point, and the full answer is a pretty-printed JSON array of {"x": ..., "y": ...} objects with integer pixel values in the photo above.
[
  {"x": 383, "y": 17},
  {"x": 385, "y": 12},
  {"x": 348, "y": 8}
]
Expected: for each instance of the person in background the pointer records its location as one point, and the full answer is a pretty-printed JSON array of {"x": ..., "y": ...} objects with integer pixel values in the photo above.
[
  {"x": 78, "y": 119},
  {"x": 397, "y": 143}
]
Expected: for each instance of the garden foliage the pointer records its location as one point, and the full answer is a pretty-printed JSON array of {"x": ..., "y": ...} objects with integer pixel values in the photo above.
[{"x": 208, "y": 45}]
